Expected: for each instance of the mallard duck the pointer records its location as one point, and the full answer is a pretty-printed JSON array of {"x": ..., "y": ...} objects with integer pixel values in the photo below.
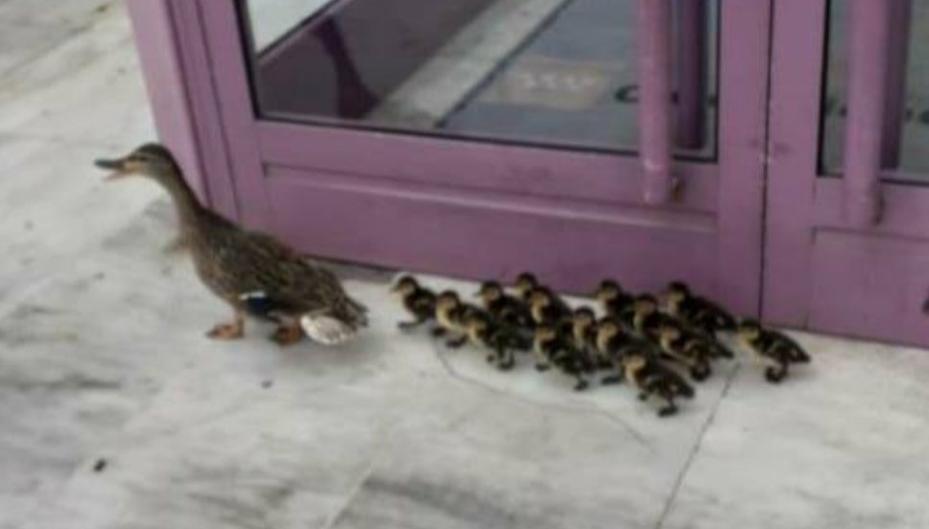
[
  {"x": 253, "y": 272},
  {"x": 614, "y": 300},
  {"x": 774, "y": 349},
  {"x": 652, "y": 378},
  {"x": 417, "y": 300},
  {"x": 696, "y": 310},
  {"x": 505, "y": 308},
  {"x": 553, "y": 348}
]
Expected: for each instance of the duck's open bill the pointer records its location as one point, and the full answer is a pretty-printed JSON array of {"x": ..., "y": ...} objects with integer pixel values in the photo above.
[{"x": 118, "y": 166}]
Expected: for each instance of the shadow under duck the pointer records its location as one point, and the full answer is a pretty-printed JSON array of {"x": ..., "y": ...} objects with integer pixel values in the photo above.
[{"x": 253, "y": 272}]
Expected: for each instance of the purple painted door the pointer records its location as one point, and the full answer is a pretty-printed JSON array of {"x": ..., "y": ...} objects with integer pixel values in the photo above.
[
  {"x": 481, "y": 140},
  {"x": 848, "y": 207}
]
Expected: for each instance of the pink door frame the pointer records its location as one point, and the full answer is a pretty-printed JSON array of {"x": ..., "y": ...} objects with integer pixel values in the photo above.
[
  {"x": 828, "y": 265},
  {"x": 460, "y": 207}
]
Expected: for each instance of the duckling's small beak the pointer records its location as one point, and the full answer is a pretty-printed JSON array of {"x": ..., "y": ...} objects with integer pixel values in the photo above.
[{"x": 118, "y": 167}]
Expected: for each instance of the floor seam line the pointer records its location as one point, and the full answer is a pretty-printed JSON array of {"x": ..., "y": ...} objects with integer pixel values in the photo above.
[{"x": 679, "y": 481}]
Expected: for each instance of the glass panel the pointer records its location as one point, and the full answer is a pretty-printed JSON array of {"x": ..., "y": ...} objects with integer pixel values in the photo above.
[
  {"x": 528, "y": 71},
  {"x": 907, "y": 130}
]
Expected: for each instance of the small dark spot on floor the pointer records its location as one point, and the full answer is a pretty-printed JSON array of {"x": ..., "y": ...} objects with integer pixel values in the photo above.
[
  {"x": 100, "y": 465},
  {"x": 102, "y": 8},
  {"x": 100, "y": 276},
  {"x": 29, "y": 225},
  {"x": 266, "y": 384}
]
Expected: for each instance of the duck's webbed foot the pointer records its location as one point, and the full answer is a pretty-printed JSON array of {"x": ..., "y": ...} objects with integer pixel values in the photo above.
[
  {"x": 668, "y": 410},
  {"x": 611, "y": 380},
  {"x": 229, "y": 331},
  {"x": 456, "y": 343},
  {"x": 775, "y": 375},
  {"x": 287, "y": 335},
  {"x": 410, "y": 325}
]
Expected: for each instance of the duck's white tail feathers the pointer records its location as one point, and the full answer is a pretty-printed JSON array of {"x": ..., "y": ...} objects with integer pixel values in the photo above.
[{"x": 327, "y": 330}]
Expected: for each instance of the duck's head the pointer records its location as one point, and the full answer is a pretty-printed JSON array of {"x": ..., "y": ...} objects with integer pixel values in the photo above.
[
  {"x": 152, "y": 160},
  {"x": 540, "y": 297},
  {"x": 490, "y": 291},
  {"x": 645, "y": 304},
  {"x": 584, "y": 317},
  {"x": 447, "y": 300},
  {"x": 405, "y": 286},
  {"x": 677, "y": 292},
  {"x": 607, "y": 328},
  {"x": 525, "y": 282},
  {"x": 607, "y": 290},
  {"x": 749, "y": 329}
]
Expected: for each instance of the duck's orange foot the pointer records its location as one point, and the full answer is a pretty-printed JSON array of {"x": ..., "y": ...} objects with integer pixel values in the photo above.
[
  {"x": 287, "y": 335},
  {"x": 227, "y": 331}
]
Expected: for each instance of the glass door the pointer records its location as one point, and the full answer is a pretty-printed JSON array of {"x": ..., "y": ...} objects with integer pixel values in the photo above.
[
  {"x": 848, "y": 202},
  {"x": 484, "y": 137}
]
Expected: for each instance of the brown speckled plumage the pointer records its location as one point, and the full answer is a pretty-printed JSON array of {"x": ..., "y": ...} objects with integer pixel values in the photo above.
[{"x": 232, "y": 261}]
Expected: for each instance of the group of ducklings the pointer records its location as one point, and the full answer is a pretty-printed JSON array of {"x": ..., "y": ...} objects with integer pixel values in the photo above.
[{"x": 640, "y": 340}]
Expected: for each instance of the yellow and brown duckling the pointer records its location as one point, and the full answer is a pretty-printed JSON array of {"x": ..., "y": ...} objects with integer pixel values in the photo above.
[
  {"x": 775, "y": 349},
  {"x": 450, "y": 315},
  {"x": 692, "y": 350},
  {"x": 417, "y": 300},
  {"x": 645, "y": 318},
  {"x": 553, "y": 348},
  {"x": 254, "y": 273},
  {"x": 524, "y": 285},
  {"x": 697, "y": 311},
  {"x": 612, "y": 343},
  {"x": 505, "y": 308},
  {"x": 584, "y": 337},
  {"x": 613, "y": 299},
  {"x": 502, "y": 341},
  {"x": 546, "y": 308},
  {"x": 652, "y": 378}
]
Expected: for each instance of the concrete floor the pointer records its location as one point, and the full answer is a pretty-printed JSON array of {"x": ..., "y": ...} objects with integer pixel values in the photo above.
[{"x": 102, "y": 358}]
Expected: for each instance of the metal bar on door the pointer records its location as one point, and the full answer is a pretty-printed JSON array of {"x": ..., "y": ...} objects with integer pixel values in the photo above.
[
  {"x": 654, "y": 41},
  {"x": 869, "y": 46},
  {"x": 895, "y": 111},
  {"x": 690, "y": 66}
]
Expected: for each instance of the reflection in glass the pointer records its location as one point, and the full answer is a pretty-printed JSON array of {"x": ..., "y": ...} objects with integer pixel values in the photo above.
[
  {"x": 907, "y": 132},
  {"x": 537, "y": 71}
]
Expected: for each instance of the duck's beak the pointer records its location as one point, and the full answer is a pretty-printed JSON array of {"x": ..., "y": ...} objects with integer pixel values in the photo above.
[{"x": 117, "y": 166}]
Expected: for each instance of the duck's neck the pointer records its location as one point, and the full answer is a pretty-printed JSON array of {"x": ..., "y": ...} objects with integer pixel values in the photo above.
[{"x": 186, "y": 202}]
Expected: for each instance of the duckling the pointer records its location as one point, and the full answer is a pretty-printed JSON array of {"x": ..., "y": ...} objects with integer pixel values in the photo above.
[
  {"x": 552, "y": 348},
  {"x": 583, "y": 336},
  {"x": 773, "y": 348},
  {"x": 651, "y": 377},
  {"x": 613, "y": 343},
  {"x": 697, "y": 311},
  {"x": 690, "y": 349},
  {"x": 451, "y": 314},
  {"x": 547, "y": 308},
  {"x": 504, "y": 307},
  {"x": 484, "y": 332},
  {"x": 645, "y": 319},
  {"x": 417, "y": 300},
  {"x": 239, "y": 265},
  {"x": 614, "y": 300},
  {"x": 524, "y": 285}
]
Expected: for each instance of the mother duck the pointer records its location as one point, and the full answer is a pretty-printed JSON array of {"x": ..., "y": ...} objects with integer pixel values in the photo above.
[{"x": 253, "y": 272}]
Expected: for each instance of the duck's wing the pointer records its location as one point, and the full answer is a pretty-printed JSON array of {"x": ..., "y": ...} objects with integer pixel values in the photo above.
[{"x": 287, "y": 277}]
